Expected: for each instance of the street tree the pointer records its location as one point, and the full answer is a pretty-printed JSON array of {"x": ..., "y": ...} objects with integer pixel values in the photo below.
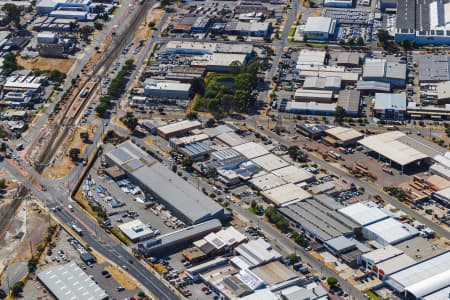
[
  {"x": 74, "y": 154},
  {"x": 339, "y": 114},
  {"x": 360, "y": 41},
  {"x": 12, "y": 13}
]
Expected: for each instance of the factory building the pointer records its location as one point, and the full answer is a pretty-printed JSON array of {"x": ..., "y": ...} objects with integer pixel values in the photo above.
[
  {"x": 384, "y": 71},
  {"x": 428, "y": 279},
  {"x": 390, "y": 106},
  {"x": 166, "y": 89},
  {"x": 178, "y": 128},
  {"x": 177, "y": 195},
  {"x": 319, "y": 28},
  {"x": 338, "y": 3}
]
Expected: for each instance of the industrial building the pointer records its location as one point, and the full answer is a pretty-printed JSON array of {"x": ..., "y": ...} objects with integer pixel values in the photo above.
[
  {"x": 220, "y": 62},
  {"x": 397, "y": 148},
  {"x": 136, "y": 231},
  {"x": 266, "y": 182},
  {"x": 384, "y": 71},
  {"x": 425, "y": 23},
  {"x": 270, "y": 162},
  {"x": 230, "y": 139},
  {"x": 201, "y": 48},
  {"x": 69, "y": 281},
  {"x": 166, "y": 89},
  {"x": 338, "y": 3},
  {"x": 318, "y": 96},
  {"x": 363, "y": 213},
  {"x": 292, "y": 174},
  {"x": 371, "y": 87},
  {"x": 319, "y": 28},
  {"x": 286, "y": 194},
  {"x": 172, "y": 191},
  {"x": 389, "y": 232},
  {"x": 433, "y": 68},
  {"x": 178, "y": 128},
  {"x": 254, "y": 29},
  {"x": 47, "y": 6},
  {"x": 350, "y": 100},
  {"x": 332, "y": 83},
  {"x": 342, "y": 136},
  {"x": 312, "y": 108},
  {"x": 251, "y": 150},
  {"x": 428, "y": 279},
  {"x": 390, "y": 106},
  {"x": 317, "y": 221},
  {"x": 314, "y": 131},
  {"x": 340, "y": 245},
  {"x": 349, "y": 59},
  {"x": 257, "y": 252},
  {"x": 179, "y": 239},
  {"x": 310, "y": 58}
]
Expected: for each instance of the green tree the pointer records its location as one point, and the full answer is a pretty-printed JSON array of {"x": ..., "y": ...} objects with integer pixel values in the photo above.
[
  {"x": 360, "y": 41},
  {"x": 2, "y": 147},
  {"x": 447, "y": 131},
  {"x": 210, "y": 123},
  {"x": 332, "y": 281},
  {"x": 212, "y": 173},
  {"x": 84, "y": 136},
  {"x": 383, "y": 37},
  {"x": 406, "y": 44},
  {"x": 235, "y": 67},
  {"x": 192, "y": 115},
  {"x": 293, "y": 258},
  {"x": 187, "y": 162},
  {"x": 254, "y": 204},
  {"x": 2, "y": 183},
  {"x": 339, "y": 114},
  {"x": 10, "y": 63},
  {"x": 293, "y": 152},
  {"x": 342, "y": 42},
  {"x": 198, "y": 86},
  {"x": 74, "y": 153},
  {"x": 282, "y": 224},
  {"x": 174, "y": 168},
  {"x": 101, "y": 108},
  {"x": 85, "y": 31},
  {"x": 130, "y": 121},
  {"x": 17, "y": 288},
  {"x": 98, "y": 25},
  {"x": 12, "y": 13}
]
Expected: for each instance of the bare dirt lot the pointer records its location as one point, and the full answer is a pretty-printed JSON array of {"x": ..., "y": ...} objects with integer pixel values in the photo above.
[{"x": 46, "y": 63}]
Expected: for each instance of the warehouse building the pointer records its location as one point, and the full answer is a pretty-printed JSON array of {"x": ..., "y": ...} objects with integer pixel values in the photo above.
[
  {"x": 397, "y": 149},
  {"x": 434, "y": 68},
  {"x": 390, "y": 106},
  {"x": 319, "y": 96},
  {"x": 220, "y": 62},
  {"x": 230, "y": 139},
  {"x": 251, "y": 150},
  {"x": 389, "y": 232},
  {"x": 428, "y": 279},
  {"x": 316, "y": 220},
  {"x": 350, "y": 100},
  {"x": 179, "y": 239},
  {"x": 292, "y": 174},
  {"x": 270, "y": 162},
  {"x": 338, "y": 3},
  {"x": 342, "y": 136},
  {"x": 379, "y": 255},
  {"x": 200, "y": 48},
  {"x": 172, "y": 191},
  {"x": 166, "y": 89},
  {"x": 178, "y": 128},
  {"x": 257, "y": 252},
  {"x": 275, "y": 273},
  {"x": 69, "y": 281},
  {"x": 331, "y": 83},
  {"x": 363, "y": 213},
  {"x": 340, "y": 245},
  {"x": 319, "y": 28},
  {"x": 371, "y": 87},
  {"x": 384, "y": 71},
  {"x": 286, "y": 194},
  {"x": 266, "y": 182},
  {"x": 136, "y": 231},
  {"x": 442, "y": 196},
  {"x": 314, "y": 131},
  {"x": 310, "y": 58},
  {"x": 312, "y": 108},
  {"x": 349, "y": 59}
]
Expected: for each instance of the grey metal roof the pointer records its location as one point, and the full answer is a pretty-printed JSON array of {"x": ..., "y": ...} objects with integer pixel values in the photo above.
[
  {"x": 70, "y": 282},
  {"x": 395, "y": 71},
  {"x": 350, "y": 100},
  {"x": 373, "y": 86},
  {"x": 434, "y": 68},
  {"x": 390, "y": 101},
  {"x": 178, "y": 194},
  {"x": 340, "y": 243}
]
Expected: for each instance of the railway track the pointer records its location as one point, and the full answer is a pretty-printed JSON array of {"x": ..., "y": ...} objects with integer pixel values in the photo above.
[{"x": 69, "y": 117}]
